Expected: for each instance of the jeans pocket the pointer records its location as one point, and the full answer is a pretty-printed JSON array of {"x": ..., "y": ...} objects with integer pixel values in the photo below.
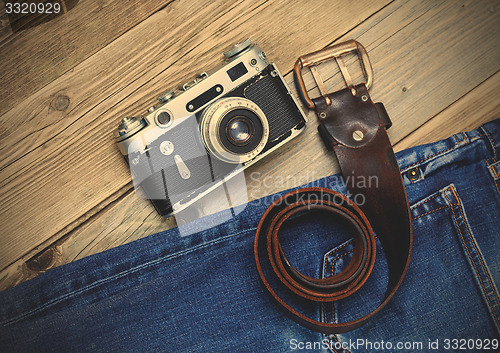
[
  {"x": 448, "y": 291},
  {"x": 448, "y": 198}
]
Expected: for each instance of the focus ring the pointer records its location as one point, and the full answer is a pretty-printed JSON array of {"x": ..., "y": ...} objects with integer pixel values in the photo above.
[{"x": 210, "y": 127}]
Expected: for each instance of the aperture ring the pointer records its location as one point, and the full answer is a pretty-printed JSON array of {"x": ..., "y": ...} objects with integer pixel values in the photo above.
[{"x": 211, "y": 129}]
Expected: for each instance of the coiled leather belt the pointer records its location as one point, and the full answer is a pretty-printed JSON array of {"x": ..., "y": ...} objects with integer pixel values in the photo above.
[{"x": 355, "y": 128}]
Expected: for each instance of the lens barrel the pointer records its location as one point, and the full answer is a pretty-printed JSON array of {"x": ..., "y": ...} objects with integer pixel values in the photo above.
[{"x": 234, "y": 129}]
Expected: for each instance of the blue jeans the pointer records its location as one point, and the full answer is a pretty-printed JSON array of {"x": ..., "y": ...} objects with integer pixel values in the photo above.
[{"x": 201, "y": 293}]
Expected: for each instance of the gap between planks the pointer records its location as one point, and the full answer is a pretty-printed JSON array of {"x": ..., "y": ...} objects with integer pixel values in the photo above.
[{"x": 34, "y": 57}]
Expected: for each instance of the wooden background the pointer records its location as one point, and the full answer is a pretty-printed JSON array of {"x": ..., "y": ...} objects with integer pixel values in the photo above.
[{"x": 65, "y": 191}]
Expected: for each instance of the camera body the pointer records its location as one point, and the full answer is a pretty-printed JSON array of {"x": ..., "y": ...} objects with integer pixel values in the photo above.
[{"x": 219, "y": 124}]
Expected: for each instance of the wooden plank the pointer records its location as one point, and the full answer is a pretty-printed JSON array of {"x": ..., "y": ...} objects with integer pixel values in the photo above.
[
  {"x": 60, "y": 164},
  {"x": 476, "y": 108},
  {"x": 132, "y": 218},
  {"x": 34, "y": 57},
  {"x": 5, "y": 30}
]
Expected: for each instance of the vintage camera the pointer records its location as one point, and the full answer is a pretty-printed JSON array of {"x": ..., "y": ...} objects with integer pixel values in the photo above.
[{"x": 210, "y": 129}]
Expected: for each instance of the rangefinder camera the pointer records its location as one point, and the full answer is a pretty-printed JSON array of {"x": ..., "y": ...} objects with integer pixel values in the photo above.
[{"x": 210, "y": 129}]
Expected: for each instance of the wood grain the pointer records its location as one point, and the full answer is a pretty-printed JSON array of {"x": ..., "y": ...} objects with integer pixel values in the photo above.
[
  {"x": 71, "y": 164},
  {"x": 424, "y": 76},
  {"x": 34, "y": 57},
  {"x": 5, "y": 30},
  {"x": 477, "y": 107}
]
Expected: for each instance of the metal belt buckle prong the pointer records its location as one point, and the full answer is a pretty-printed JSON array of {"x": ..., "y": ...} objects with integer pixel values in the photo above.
[{"x": 313, "y": 59}]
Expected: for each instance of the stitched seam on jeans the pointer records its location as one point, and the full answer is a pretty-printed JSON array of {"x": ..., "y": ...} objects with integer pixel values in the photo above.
[
  {"x": 333, "y": 317},
  {"x": 425, "y": 214},
  {"x": 333, "y": 264},
  {"x": 422, "y": 202},
  {"x": 332, "y": 310},
  {"x": 324, "y": 304},
  {"x": 496, "y": 185},
  {"x": 118, "y": 276},
  {"x": 456, "y": 196},
  {"x": 472, "y": 262},
  {"x": 337, "y": 340},
  {"x": 477, "y": 250},
  {"x": 342, "y": 246},
  {"x": 440, "y": 153},
  {"x": 495, "y": 182},
  {"x": 434, "y": 155},
  {"x": 492, "y": 142},
  {"x": 491, "y": 167},
  {"x": 333, "y": 349},
  {"x": 324, "y": 267},
  {"x": 431, "y": 198},
  {"x": 340, "y": 256}
]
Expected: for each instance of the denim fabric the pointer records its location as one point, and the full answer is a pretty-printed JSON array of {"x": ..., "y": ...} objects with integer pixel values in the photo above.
[{"x": 201, "y": 293}]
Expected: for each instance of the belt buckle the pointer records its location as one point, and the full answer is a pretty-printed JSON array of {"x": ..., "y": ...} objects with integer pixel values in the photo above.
[{"x": 334, "y": 52}]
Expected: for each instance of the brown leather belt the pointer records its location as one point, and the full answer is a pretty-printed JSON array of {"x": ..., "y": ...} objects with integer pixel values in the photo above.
[{"x": 355, "y": 128}]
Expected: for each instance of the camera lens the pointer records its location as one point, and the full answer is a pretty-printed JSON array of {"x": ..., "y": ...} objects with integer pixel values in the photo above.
[
  {"x": 234, "y": 129},
  {"x": 239, "y": 131}
]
